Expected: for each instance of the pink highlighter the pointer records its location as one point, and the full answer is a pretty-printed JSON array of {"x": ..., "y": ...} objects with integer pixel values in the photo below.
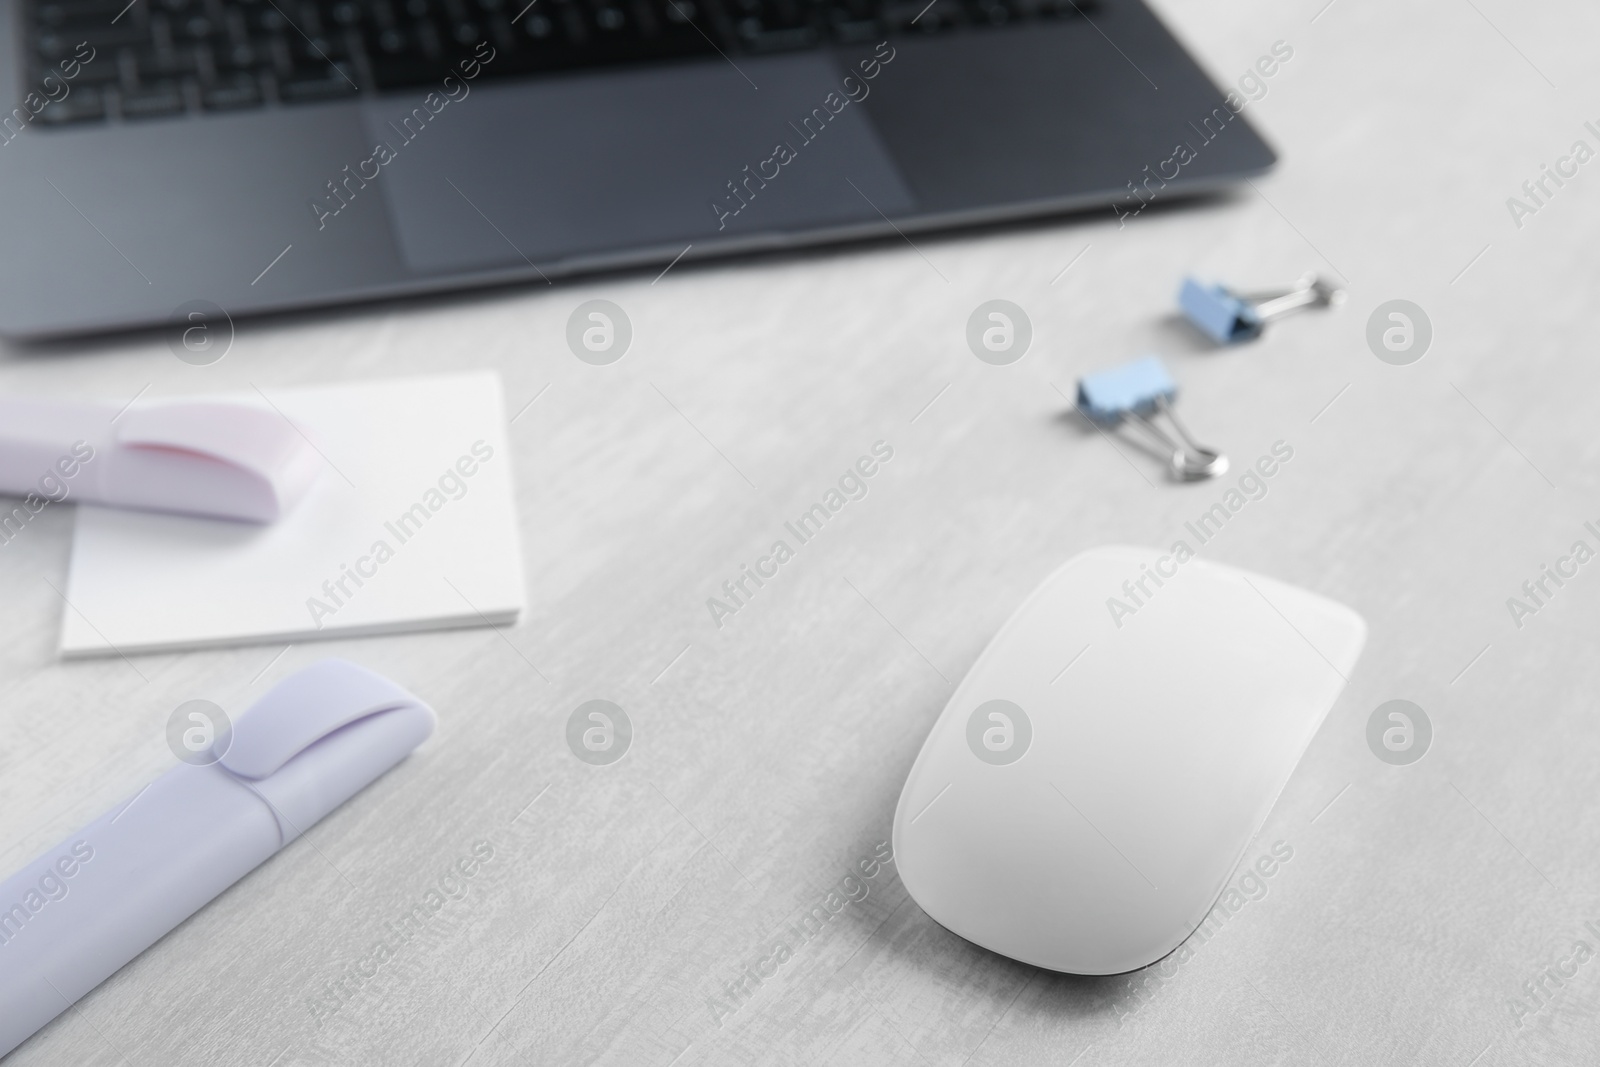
[{"x": 217, "y": 458}]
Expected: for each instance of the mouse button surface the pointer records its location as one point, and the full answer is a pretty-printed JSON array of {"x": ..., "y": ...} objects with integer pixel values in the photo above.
[
  {"x": 1002, "y": 860},
  {"x": 1265, "y": 681},
  {"x": 1335, "y": 632},
  {"x": 1060, "y": 620},
  {"x": 1169, "y": 739},
  {"x": 1175, "y": 735}
]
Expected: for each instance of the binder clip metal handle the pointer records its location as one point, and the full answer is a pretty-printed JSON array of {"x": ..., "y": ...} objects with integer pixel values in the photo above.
[
  {"x": 1137, "y": 392},
  {"x": 1229, "y": 318},
  {"x": 1190, "y": 462}
]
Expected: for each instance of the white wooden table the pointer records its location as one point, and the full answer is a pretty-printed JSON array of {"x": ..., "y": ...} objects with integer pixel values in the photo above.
[{"x": 623, "y": 903}]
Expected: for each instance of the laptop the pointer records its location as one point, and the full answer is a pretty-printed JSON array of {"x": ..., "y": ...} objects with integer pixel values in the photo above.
[{"x": 250, "y": 156}]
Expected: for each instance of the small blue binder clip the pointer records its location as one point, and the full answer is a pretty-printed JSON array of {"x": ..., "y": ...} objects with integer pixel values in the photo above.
[
  {"x": 1229, "y": 318},
  {"x": 1139, "y": 391}
]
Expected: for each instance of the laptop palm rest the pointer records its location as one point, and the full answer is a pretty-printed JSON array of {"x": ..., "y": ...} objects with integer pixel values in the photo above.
[{"x": 576, "y": 167}]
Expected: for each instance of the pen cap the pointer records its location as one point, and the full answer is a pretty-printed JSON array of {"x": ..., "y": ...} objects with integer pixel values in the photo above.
[
  {"x": 222, "y": 458},
  {"x": 320, "y": 736}
]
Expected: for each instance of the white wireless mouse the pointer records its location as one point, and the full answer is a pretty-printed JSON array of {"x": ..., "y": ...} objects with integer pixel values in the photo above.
[{"x": 1085, "y": 818}]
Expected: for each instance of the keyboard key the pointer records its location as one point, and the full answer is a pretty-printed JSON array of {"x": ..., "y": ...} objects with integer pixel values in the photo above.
[
  {"x": 988, "y": 12},
  {"x": 919, "y": 16},
  {"x": 396, "y": 73},
  {"x": 73, "y": 16},
  {"x": 152, "y": 101},
  {"x": 108, "y": 38},
  {"x": 303, "y": 89},
  {"x": 318, "y": 52},
  {"x": 572, "y": 21},
  {"x": 236, "y": 92},
  {"x": 158, "y": 65},
  {"x": 102, "y": 70},
  {"x": 757, "y": 38},
  {"x": 1029, "y": 9},
  {"x": 427, "y": 35},
  {"x": 82, "y": 105},
  {"x": 241, "y": 57},
  {"x": 855, "y": 31}
]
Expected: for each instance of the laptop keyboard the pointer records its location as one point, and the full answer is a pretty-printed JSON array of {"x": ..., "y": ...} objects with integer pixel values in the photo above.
[{"x": 161, "y": 58}]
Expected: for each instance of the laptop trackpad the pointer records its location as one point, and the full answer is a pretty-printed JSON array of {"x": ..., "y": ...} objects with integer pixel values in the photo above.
[{"x": 625, "y": 160}]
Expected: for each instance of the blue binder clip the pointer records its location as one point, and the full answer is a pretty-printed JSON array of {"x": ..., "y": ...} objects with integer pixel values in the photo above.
[
  {"x": 1139, "y": 391},
  {"x": 1229, "y": 318}
]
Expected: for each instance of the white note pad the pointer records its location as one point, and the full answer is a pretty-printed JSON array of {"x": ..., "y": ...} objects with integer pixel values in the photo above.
[{"x": 411, "y": 525}]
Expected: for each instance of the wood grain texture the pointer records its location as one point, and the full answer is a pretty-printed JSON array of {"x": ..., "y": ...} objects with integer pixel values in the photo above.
[{"x": 621, "y": 902}]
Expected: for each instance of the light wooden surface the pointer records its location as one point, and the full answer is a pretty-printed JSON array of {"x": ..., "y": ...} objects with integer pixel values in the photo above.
[{"x": 621, "y": 901}]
